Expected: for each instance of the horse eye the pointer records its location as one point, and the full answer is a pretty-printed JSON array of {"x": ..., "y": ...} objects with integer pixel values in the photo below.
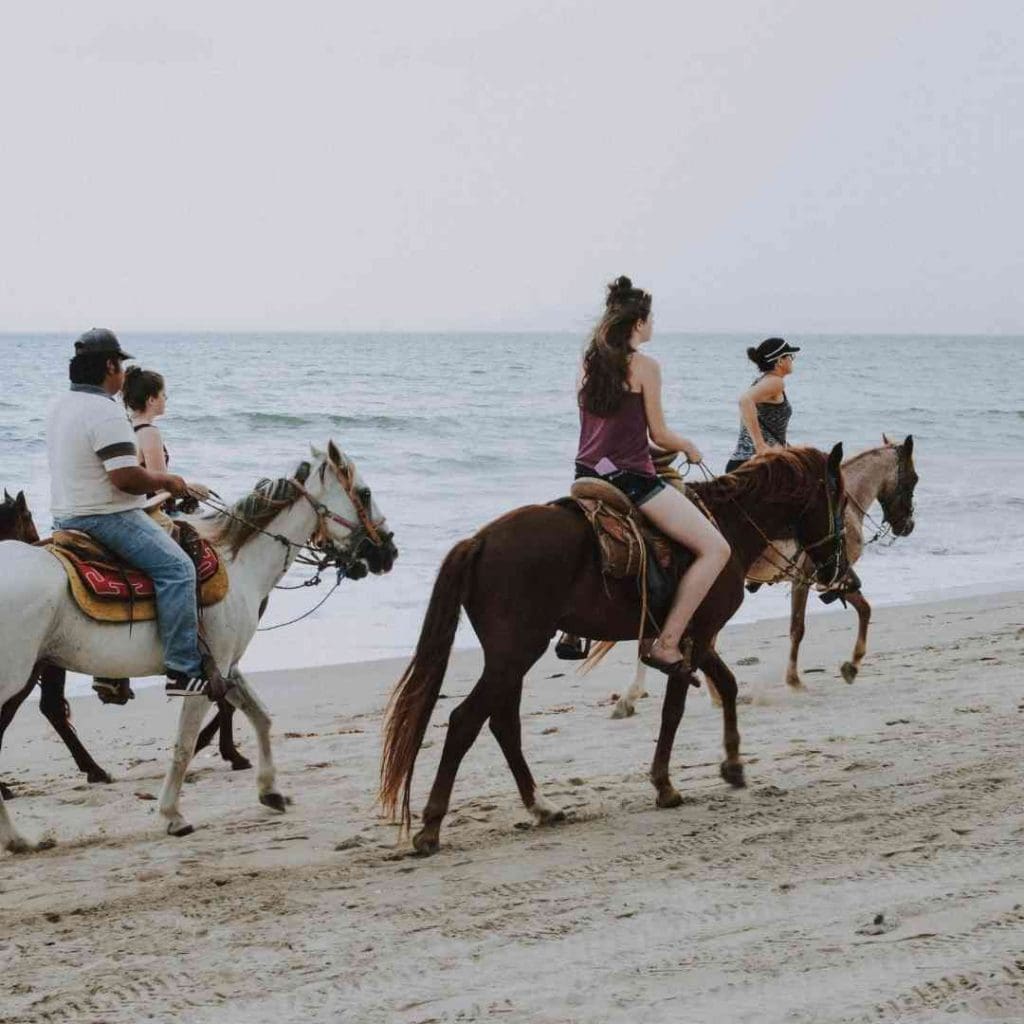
[{"x": 364, "y": 495}]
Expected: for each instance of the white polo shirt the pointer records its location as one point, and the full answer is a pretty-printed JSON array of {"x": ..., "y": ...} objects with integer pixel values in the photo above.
[{"x": 87, "y": 434}]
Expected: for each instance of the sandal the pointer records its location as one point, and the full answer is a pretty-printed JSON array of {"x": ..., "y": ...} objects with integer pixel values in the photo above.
[{"x": 684, "y": 663}]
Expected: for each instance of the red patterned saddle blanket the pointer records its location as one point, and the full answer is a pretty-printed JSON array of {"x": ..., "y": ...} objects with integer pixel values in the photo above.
[
  {"x": 109, "y": 590},
  {"x": 110, "y": 580}
]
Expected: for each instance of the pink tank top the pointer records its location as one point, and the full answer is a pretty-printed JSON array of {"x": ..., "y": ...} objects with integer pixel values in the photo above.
[{"x": 621, "y": 438}]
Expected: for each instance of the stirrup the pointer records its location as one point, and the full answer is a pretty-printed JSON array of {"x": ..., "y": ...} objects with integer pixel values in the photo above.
[{"x": 566, "y": 651}]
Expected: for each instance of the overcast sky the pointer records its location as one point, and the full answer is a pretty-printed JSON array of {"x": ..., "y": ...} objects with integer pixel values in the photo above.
[{"x": 765, "y": 166}]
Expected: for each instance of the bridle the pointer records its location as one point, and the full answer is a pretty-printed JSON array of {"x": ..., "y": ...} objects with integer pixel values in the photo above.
[
  {"x": 790, "y": 567},
  {"x": 364, "y": 528},
  {"x": 884, "y": 529},
  {"x": 320, "y": 550}
]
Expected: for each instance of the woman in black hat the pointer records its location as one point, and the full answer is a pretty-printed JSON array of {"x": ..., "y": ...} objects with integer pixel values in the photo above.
[{"x": 764, "y": 407}]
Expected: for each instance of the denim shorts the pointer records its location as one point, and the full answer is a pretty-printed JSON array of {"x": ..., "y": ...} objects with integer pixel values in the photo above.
[{"x": 638, "y": 487}]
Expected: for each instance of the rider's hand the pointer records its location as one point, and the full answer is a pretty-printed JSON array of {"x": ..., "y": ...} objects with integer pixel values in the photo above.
[
  {"x": 692, "y": 453},
  {"x": 176, "y": 485},
  {"x": 194, "y": 490}
]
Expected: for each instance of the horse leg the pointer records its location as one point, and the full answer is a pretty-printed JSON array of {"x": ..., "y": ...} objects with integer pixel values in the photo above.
[
  {"x": 6, "y": 714},
  {"x": 797, "y": 613},
  {"x": 10, "y": 838},
  {"x": 721, "y": 675},
  {"x": 221, "y": 725},
  {"x": 626, "y": 704},
  {"x": 849, "y": 669},
  {"x": 671, "y": 715},
  {"x": 189, "y": 721},
  {"x": 243, "y": 697},
  {"x": 507, "y": 729},
  {"x": 57, "y": 712},
  {"x": 226, "y": 740},
  {"x": 464, "y": 724}
]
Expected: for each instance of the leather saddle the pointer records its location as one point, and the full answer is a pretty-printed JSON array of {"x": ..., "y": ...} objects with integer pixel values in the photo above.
[
  {"x": 629, "y": 546},
  {"x": 108, "y": 589}
]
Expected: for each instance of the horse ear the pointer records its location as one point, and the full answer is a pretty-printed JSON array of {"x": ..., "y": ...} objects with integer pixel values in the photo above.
[
  {"x": 7, "y": 497},
  {"x": 302, "y": 472},
  {"x": 316, "y": 453},
  {"x": 333, "y": 454},
  {"x": 885, "y": 439},
  {"x": 835, "y": 459},
  {"x": 20, "y": 502},
  {"x": 908, "y": 445}
]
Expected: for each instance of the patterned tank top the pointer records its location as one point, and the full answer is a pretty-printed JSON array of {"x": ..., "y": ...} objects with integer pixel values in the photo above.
[{"x": 773, "y": 419}]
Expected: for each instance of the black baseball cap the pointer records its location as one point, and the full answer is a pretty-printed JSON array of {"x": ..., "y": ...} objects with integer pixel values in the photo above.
[
  {"x": 100, "y": 341},
  {"x": 772, "y": 349}
]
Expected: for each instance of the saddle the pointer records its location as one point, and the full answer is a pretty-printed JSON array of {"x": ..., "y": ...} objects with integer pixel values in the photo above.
[
  {"x": 629, "y": 546},
  {"x": 108, "y": 589}
]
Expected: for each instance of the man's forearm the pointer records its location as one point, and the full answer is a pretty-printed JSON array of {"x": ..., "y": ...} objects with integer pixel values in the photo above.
[{"x": 139, "y": 480}]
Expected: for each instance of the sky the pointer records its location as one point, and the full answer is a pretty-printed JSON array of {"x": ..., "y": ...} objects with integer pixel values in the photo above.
[{"x": 776, "y": 167}]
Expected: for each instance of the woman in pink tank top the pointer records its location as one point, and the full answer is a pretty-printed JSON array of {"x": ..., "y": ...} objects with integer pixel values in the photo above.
[{"x": 620, "y": 416}]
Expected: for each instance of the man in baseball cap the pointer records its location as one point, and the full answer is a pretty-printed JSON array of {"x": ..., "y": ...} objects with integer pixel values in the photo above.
[
  {"x": 98, "y": 486},
  {"x": 100, "y": 341}
]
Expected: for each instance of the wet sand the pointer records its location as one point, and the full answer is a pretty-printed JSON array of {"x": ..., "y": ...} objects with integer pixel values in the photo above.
[{"x": 872, "y": 871}]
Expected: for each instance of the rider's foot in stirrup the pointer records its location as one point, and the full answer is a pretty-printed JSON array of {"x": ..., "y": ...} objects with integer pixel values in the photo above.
[
  {"x": 180, "y": 684},
  {"x": 659, "y": 656}
]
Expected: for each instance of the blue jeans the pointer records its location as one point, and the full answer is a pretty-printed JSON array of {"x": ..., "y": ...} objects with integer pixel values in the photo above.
[{"x": 142, "y": 543}]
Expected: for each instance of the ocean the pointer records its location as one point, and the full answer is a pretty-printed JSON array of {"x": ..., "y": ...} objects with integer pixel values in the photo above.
[{"x": 451, "y": 430}]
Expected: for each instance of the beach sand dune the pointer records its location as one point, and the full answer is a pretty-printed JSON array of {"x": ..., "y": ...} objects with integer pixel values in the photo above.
[{"x": 871, "y": 872}]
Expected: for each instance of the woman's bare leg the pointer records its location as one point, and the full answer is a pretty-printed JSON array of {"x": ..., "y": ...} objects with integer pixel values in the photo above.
[{"x": 675, "y": 515}]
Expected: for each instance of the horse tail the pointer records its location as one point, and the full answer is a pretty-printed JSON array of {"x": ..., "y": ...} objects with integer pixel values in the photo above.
[{"x": 415, "y": 694}]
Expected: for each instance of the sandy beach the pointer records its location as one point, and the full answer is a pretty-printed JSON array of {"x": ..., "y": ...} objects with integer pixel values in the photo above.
[{"x": 871, "y": 871}]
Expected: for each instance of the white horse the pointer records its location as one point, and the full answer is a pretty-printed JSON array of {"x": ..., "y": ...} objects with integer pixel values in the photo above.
[
  {"x": 885, "y": 474},
  {"x": 324, "y": 504}
]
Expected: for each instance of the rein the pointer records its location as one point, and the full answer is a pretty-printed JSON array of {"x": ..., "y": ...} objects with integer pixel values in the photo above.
[
  {"x": 319, "y": 550},
  {"x": 789, "y": 567}
]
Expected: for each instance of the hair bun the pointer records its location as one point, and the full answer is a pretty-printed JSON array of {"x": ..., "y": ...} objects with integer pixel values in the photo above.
[
  {"x": 132, "y": 371},
  {"x": 753, "y": 356},
  {"x": 619, "y": 291}
]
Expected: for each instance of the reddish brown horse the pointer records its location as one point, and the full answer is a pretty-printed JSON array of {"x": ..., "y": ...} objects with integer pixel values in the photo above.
[
  {"x": 536, "y": 570},
  {"x": 16, "y": 523}
]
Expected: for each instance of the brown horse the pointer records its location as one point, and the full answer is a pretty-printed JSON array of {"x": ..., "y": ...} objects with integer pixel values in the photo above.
[
  {"x": 536, "y": 570},
  {"x": 16, "y": 523}
]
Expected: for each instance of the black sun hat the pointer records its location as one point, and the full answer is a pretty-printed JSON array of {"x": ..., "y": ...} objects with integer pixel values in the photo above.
[
  {"x": 771, "y": 350},
  {"x": 100, "y": 341}
]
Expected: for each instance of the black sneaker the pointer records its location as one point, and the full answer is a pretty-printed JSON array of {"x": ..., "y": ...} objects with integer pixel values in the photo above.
[
  {"x": 113, "y": 691},
  {"x": 180, "y": 685}
]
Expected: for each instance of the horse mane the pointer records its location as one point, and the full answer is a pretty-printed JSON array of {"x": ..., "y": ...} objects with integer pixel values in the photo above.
[
  {"x": 871, "y": 451},
  {"x": 250, "y": 514},
  {"x": 778, "y": 477}
]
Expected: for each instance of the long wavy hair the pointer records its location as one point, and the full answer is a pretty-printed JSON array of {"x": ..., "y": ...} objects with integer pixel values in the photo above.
[{"x": 606, "y": 361}]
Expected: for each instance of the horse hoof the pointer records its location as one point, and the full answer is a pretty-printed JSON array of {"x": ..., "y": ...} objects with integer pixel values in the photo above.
[
  {"x": 670, "y": 797},
  {"x": 623, "y": 710},
  {"x": 179, "y": 831},
  {"x": 100, "y": 776},
  {"x": 555, "y": 817},
  {"x": 240, "y": 764},
  {"x": 46, "y": 844},
  {"x": 848, "y": 671},
  {"x": 5, "y": 793},
  {"x": 424, "y": 845},
  {"x": 733, "y": 774},
  {"x": 275, "y": 801}
]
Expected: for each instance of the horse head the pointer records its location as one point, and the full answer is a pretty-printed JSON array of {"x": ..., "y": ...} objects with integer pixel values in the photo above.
[
  {"x": 896, "y": 495},
  {"x": 351, "y": 525},
  {"x": 16, "y": 522}
]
